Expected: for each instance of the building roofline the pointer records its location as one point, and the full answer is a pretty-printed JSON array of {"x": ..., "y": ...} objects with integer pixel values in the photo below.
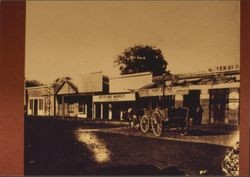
[
  {"x": 38, "y": 87},
  {"x": 131, "y": 75}
]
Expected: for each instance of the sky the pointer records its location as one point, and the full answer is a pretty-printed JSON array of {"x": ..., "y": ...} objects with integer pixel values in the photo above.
[{"x": 69, "y": 38}]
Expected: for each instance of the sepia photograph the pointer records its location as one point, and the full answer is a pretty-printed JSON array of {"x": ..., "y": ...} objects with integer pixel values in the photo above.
[{"x": 132, "y": 88}]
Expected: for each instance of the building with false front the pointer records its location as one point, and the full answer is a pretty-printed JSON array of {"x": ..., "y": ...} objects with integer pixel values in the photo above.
[
  {"x": 122, "y": 96},
  {"x": 99, "y": 98},
  {"x": 40, "y": 100},
  {"x": 77, "y": 102},
  {"x": 65, "y": 105}
]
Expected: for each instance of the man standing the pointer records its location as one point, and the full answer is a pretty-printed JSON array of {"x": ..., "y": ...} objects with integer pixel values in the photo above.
[{"x": 198, "y": 115}]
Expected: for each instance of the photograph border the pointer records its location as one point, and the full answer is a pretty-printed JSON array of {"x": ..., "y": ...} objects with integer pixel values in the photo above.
[{"x": 12, "y": 87}]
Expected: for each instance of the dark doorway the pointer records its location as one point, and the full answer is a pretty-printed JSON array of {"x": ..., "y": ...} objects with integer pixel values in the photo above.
[
  {"x": 218, "y": 103},
  {"x": 98, "y": 111},
  {"x": 35, "y": 107},
  {"x": 192, "y": 101}
]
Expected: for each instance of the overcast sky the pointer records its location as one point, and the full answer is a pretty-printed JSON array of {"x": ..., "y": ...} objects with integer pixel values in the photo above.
[{"x": 66, "y": 38}]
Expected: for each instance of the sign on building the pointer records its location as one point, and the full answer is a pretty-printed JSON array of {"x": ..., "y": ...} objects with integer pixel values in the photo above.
[
  {"x": 114, "y": 97},
  {"x": 159, "y": 91}
]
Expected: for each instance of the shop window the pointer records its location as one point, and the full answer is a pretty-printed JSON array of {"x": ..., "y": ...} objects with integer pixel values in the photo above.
[
  {"x": 82, "y": 108},
  {"x": 31, "y": 104},
  {"x": 71, "y": 108},
  {"x": 40, "y": 104}
]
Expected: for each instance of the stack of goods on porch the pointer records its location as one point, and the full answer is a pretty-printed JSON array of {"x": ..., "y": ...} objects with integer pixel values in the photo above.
[{"x": 230, "y": 164}]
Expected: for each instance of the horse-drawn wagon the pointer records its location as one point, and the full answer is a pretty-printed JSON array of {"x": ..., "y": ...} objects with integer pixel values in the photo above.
[{"x": 161, "y": 119}]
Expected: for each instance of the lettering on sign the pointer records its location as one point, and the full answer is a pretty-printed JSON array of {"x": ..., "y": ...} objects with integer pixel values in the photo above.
[
  {"x": 150, "y": 92},
  {"x": 159, "y": 91},
  {"x": 225, "y": 68},
  {"x": 114, "y": 97}
]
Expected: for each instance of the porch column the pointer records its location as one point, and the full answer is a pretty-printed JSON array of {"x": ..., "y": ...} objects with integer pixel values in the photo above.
[
  {"x": 94, "y": 111},
  {"x": 62, "y": 106},
  {"x": 101, "y": 110},
  {"x": 110, "y": 111}
]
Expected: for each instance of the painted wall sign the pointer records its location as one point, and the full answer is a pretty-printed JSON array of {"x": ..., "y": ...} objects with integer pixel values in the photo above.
[
  {"x": 114, "y": 97},
  {"x": 159, "y": 91},
  {"x": 150, "y": 92}
]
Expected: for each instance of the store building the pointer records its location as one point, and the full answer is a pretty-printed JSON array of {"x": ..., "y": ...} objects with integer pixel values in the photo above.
[
  {"x": 40, "y": 100},
  {"x": 65, "y": 104},
  {"x": 216, "y": 91},
  {"x": 77, "y": 102},
  {"x": 122, "y": 96},
  {"x": 98, "y": 97}
]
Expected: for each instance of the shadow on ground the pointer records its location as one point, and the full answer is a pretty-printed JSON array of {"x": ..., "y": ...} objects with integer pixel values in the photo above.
[
  {"x": 137, "y": 170},
  {"x": 211, "y": 130}
]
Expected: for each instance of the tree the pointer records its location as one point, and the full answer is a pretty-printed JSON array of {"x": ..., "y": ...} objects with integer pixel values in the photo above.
[
  {"x": 32, "y": 83},
  {"x": 141, "y": 58},
  {"x": 62, "y": 79}
]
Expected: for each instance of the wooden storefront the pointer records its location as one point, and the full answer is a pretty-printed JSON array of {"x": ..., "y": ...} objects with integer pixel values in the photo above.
[
  {"x": 112, "y": 106},
  {"x": 40, "y": 101}
]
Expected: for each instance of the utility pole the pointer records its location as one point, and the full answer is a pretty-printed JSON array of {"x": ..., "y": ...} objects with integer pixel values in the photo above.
[{"x": 163, "y": 89}]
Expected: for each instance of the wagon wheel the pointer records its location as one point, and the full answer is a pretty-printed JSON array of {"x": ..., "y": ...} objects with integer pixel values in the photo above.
[
  {"x": 184, "y": 131},
  {"x": 144, "y": 123},
  {"x": 157, "y": 124}
]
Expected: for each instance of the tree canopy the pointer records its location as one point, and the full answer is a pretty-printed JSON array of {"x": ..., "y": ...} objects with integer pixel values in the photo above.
[
  {"x": 141, "y": 58},
  {"x": 32, "y": 83},
  {"x": 60, "y": 80}
]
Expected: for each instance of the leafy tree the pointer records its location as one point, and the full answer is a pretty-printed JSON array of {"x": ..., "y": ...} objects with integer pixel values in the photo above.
[
  {"x": 141, "y": 58},
  {"x": 62, "y": 79},
  {"x": 32, "y": 83}
]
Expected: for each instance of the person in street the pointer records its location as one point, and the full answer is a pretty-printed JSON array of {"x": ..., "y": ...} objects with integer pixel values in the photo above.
[
  {"x": 132, "y": 117},
  {"x": 198, "y": 115}
]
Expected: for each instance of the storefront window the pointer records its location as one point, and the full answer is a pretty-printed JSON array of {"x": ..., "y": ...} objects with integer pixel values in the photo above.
[
  {"x": 40, "y": 104},
  {"x": 31, "y": 104},
  {"x": 71, "y": 108},
  {"x": 81, "y": 108}
]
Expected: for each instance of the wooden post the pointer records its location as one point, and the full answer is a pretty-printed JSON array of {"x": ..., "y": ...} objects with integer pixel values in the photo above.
[{"x": 62, "y": 106}]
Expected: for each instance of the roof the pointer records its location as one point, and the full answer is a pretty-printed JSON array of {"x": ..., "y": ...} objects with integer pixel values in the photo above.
[
  {"x": 205, "y": 80},
  {"x": 59, "y": 85},
  {"x": 131, "y": 75},
  {"x": 39, "y": 87}
]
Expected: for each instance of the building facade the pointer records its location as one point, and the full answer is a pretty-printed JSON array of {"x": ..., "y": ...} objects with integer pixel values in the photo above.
[
  {"x": 40, "y": 100},
  {"x": 98, "y": 97},
  {"x": 217, "y": 94},
  {"x": 121, "y": 97}
]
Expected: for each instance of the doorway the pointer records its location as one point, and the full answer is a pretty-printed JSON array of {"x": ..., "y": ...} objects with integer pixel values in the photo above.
[
  {"x": 218, "y": 105},
  {"x": 192, "y": 101},
  {"x": 35, "y": 107}
]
